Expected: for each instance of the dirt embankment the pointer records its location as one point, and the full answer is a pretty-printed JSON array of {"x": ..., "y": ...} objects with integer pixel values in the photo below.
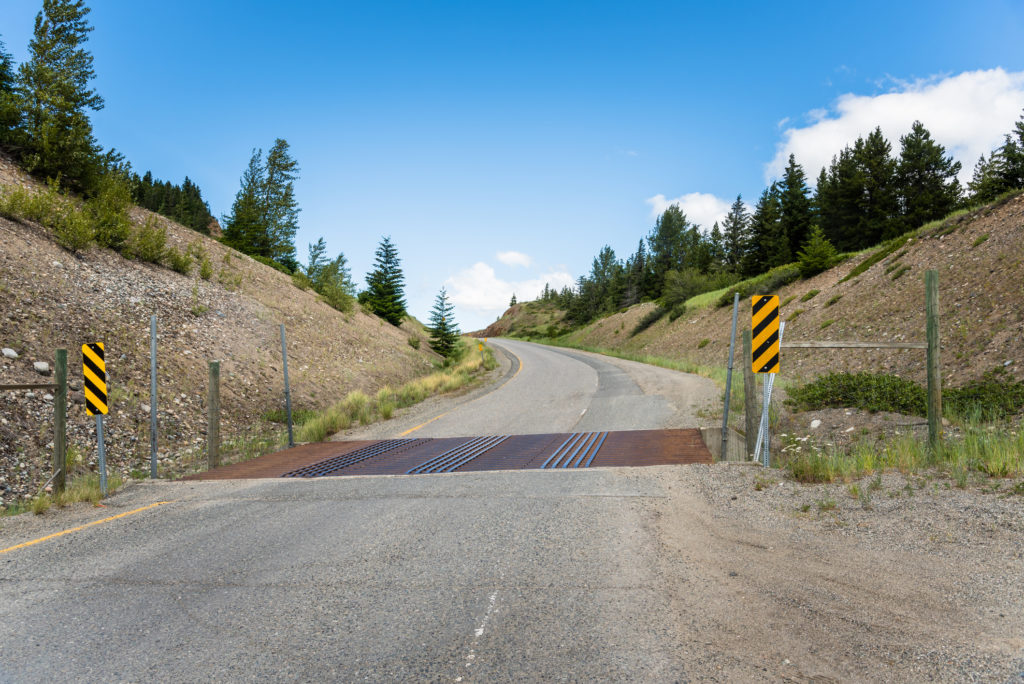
[{"x": 50, "y": 298}]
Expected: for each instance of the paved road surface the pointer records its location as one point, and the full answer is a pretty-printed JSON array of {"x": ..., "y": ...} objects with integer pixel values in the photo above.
[{"x": 485, "y": 576}]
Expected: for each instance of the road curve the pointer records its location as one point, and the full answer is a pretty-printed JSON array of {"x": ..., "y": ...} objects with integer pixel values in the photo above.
[{"x": 549, "y": 389}]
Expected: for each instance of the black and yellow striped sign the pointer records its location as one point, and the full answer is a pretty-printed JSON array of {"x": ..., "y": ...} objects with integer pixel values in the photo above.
[
  {"x": 765, "y": 333},
  {"x": 95, "y": 371}
]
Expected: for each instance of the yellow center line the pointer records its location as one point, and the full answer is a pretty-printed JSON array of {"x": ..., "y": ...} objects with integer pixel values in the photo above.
[
  {"x": 82, "y": 527},
  {"x": 421, "y": 425}
]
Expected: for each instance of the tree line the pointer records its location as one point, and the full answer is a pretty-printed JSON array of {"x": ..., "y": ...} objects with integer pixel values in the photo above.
[{"x": 866, "y": 195}]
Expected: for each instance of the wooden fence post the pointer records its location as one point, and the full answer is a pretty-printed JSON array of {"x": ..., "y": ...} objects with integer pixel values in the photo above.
[
  {"x": 931, "y": 289},
  {"x": 60, "y": 421},
  {"x": 213, "y": 416},
  {"x": 749, "y": 394}
]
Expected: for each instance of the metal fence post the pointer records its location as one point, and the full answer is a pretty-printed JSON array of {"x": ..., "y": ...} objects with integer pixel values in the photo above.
[
  {"x": 213, "y": 416},
  {"x": 152, "y": 398},
  {"x": 931, "y": 290},
  {"x": 728, "y": 378},
  {"x": 287, "y": 389},
  {"x": 750, "y": 394},
  {"x": 60, "y": 422}
]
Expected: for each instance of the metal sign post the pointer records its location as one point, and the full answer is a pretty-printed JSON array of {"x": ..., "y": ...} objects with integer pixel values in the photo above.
[
  {"x": 287, "y": 389},
  {"x": 94, "y": 370},
  {"x": 728, "y": 377},
  {"x": 152, "y": 397}
]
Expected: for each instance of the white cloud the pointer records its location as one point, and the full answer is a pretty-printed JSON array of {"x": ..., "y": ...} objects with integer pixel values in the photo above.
[
  {"x": 479, "y": 290},
  {"x": 701, "y": 208},
  {"x": 968, "y": 113},
  {"x": 515, "y": 259}
]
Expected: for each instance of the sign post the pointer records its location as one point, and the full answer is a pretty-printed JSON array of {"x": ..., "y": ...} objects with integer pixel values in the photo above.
[
  {"x": 94, "y": 370},
  {"x": 766, "y": 333}
]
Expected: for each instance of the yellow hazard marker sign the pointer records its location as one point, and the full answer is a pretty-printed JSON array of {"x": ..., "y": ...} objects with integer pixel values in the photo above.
[
  {"x": 95, "y": 371},
  {"x": 764, "y": 328}
]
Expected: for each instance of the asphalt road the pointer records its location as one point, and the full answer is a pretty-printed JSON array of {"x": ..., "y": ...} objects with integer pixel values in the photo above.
[
  {"x": 541, "y": 389},
  {"x": 525, "y": 576}
]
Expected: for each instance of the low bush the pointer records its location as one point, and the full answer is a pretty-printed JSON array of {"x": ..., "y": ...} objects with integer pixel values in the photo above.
[
  {"x": 267, "y": 261},
  {"x": 766, "y": 283},
  {"x": 677, "y": 311},
  {"x": 809, "y": 296},
  {"x": 649, "y": 319},
  {"x": 108, "y": 211},
  {"x": 180, "y": 262},
  {"x": 414, "y": 342},
  {"x": 149, "y": 243}
]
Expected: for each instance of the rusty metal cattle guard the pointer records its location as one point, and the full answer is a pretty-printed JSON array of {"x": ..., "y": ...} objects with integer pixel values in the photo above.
[
  {"x": 582, "y": 441},
  {"x": 549, "y": 451}
]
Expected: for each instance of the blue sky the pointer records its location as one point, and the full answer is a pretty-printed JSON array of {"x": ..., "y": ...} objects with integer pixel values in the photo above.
[{"x": 502, "y": 144}]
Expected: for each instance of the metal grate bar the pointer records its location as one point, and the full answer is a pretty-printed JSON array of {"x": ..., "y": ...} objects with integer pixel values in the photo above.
[
  {"x": 559, "y": 449},
  {"x": 578, "y": 437},
  {"x": 330, "y": 465},
  {"x": 477, "y": 452},
  {"x": 437, "y": 460},
  {"x": 585, "y": 446},
  {"x": 599, "y": 445}
]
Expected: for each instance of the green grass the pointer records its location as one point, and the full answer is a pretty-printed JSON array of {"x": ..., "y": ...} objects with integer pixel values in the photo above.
[
  {"x": 899, "y": 274},
  {"x": 788, "y": 299},
  {"x": 357, "y": 407},
  {"x": 766, "y": 283},
  {"x": 794, "y": 315},
  {"x": 882, "y": 252},
  {"x": 980, "y": 240},
  {"x": 833, "y": 300},
  {"x": 827, "y": 323},
  {"x": 703, "y": 343},
  {"x": 810, "y": 295}
]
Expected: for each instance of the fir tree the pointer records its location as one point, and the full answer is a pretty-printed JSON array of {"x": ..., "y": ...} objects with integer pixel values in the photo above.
[
  {"x": 54, "y": 96},
  {"x": 245, "y": 227},
  {"x": 926, "y": 177},
  {"x": 444, "y": 333},
  {"x": 794, "y": 206},
  {"x": 1012, "y": 172},
  {"x": 817, "y": 255},
  {"x": 512, "y": 302},
  {"x": 317, "y": 259},
  {"x": 879, "y": 216},
  {"x": 282, "y": 209},
  {"x": 735, "y": 234},
  {"x": 667, "y": 243},
  {"x": 385, "y": 292},
  {"x": 769, "y": 246},
  {"x": 987, "y": 182},
  {"x": 10, "y": 114}
]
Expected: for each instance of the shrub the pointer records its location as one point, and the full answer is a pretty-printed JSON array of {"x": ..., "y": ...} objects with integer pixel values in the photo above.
[
  {"x": 205, "y": 269},
  {"x": 833, "y": 300},
  {"x": 108, "y": 211},
  {"x": 677, "y": 311},
  {"x": 414, "y": 342},
  {"x": 817, "y": 254},
  {"x": 703, "y": 343},
  {"x": 179, "y": 261},
  {"x": 995, "y": 396},
  {"x": 766, "y": 283},
  {"x": 885, "y": 250},
  {"x": 866, "y": 391},
  {"x": 72, "y": 231},
  {"x": 149, "y": 243},
  {"x": 680, "y": 286},
  {"x": 267, "y": 261},
  {"x": 649, "y": 319},
  {"x": 301, "y": 281},
  {"x": 898, "y": 274}
]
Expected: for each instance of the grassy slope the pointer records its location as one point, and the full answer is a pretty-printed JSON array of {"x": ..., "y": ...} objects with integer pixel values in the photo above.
[{"x": 981, "y": 265}]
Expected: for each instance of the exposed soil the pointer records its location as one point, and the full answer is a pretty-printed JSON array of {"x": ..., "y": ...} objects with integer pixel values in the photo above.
[
  {"x": 50, "y": 298},
  {"x": 773, "y": 580}
]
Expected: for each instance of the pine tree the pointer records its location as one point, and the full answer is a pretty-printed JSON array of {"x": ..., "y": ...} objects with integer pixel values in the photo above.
[
  {"x": 334, "y": 283},
  {"x": 987, "y": 182},
  {"x": 667, "y": 246},
  {"x": 282, "y": 209},
  {"x": 795, "y": 207},
  {"x": 879, "y": 216},
  {"x": 716, "y": 247},
  {"x": 444, "y": 333},
  {"x": 926, "y": 177},
  {"x": 512, "y": 302},
  {"x": 54, "y": 97},
  {"x": 1012, "y": 174},
  {"x": 385, "y": 292},
  {"x": 817, "y": 254},
  {"x": 10, "y": 114},
  {"x": 245, "y": 227},
  {"x": 769, "y": 246},
  {"x": 317, "y": 260},
  {"x": 735, "y": 234}
]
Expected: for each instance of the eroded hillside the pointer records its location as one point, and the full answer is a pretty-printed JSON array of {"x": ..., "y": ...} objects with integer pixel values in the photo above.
[{"x": 51, "y": 298}]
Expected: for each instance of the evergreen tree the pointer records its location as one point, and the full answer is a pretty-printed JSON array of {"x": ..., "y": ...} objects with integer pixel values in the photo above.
[
  {"x": 635, "y": 278},
  {"x": 716, "y": 248},
  {"x": 926, "y": 177},
  {"x": 817, "y": 255},
  {"x": 987, "y": 182},
  {"x": 879, "y": 207},
  {"x": 56, "y": 138},
  {"x": 735, "y": 234},
  {"x": 512, "y": 302},
  {"x": 667, "y": 243},
  {"x": 769, "y": 246},
  {"x": 282, "y": 209},
  {"x": 385, "y": 292},
  {"x": 184, "y": 203},
  {"x": 10, "y": 114},
  {"x": 334, "y": 283},
  {"x": 1012, "y": 173},
  {"x": 795, "y": 207},
  {"x": 444, "y": 334},
  {"x": 317, "y": 260},
  {"x": 838, "y": 199},
  {"x": 245, "y": 228}
]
